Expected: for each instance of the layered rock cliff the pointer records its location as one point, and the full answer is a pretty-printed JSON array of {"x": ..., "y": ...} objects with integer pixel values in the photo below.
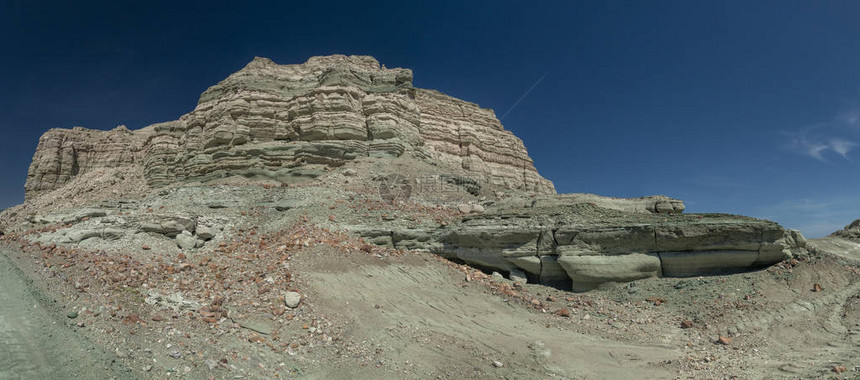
[
  {"x": 287, "y": 121},
  {"x": 580, "y": 241}
]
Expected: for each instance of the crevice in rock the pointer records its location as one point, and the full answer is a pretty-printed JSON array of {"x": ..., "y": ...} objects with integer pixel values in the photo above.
[{"x": 537, "y": 255}]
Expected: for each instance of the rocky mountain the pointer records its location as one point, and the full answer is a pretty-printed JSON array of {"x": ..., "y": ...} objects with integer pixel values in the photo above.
[
  {"x": 330, "y": 220},
  {"x": 292, "y": 122},
  {"x": 340, "y": 120}
]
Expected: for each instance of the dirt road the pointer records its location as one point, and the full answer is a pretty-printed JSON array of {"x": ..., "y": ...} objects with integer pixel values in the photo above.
[{"x": 36, "y": 344}]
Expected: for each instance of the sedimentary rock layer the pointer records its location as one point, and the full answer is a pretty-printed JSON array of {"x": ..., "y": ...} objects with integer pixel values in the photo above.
[
  {"x": 285, "y": 121},
  {"x": 581, "y": 245}
]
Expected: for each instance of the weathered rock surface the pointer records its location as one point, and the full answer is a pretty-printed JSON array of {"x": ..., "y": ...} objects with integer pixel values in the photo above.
[
  {"x": 584, "y": 245},
  {"x": 292, "y": 121},
  {"x": 850, "y": 232},
  {"x": 292, "y": 299},
  {"x": 289, "y": 123},
  {"x": 580, "y": 241},
  {"x": 63, "y": 154},
  {"x": 186, "y": 240}
]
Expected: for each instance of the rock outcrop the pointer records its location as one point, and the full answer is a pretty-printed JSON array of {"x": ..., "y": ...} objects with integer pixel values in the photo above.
[
  {"x": 287, "y": 121},
  {"x": 581, "y": 245},
  {"x": 850, "y": 232},
  {"x": 580, "y": 241},
  {"x": 64, "y": 154},
  {"x": 296, "y": 122}
]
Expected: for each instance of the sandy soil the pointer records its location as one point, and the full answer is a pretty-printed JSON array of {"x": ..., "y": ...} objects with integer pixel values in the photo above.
[{"x": 430, "y": 326}]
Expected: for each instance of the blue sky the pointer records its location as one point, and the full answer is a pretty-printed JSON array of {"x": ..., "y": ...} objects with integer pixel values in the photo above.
[{"x": 741, "y": 107}]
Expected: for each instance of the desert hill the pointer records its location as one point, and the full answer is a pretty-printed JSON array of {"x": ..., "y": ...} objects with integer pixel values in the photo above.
[{"x": 328, "y": 219}]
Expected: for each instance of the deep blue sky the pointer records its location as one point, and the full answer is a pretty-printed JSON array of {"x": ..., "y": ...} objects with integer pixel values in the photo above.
[{"x": 742, "y": 107}]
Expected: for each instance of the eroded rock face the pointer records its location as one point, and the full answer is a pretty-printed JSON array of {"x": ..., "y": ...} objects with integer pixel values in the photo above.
[
  {"x": 581, "y": 245},
  {"x": 580, "y": 241},
  {"x": 63, "y": 154},
  {"x": 286, "y": 121},
  {"x": 850, "y": 232}
]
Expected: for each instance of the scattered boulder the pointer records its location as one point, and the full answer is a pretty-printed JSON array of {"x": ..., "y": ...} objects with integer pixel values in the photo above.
[
  {"x": 185, "y": 240},
  {"x": 205, "y": 232},
  {"x": 497, "y": 277},
  {"x": 292, "y": 299},
  {"x": 518, "y": 275}
]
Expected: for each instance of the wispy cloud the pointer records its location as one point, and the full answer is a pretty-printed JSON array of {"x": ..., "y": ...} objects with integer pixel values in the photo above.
[
  {"x": 828, "y": 138},
  {"x": 842, "y": 146},
  {"x": 817, "y": 147}
]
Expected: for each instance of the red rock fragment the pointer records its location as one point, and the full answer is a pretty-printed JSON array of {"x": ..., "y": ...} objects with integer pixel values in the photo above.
[
  {"x": 564, "y": 312},
  {"x": 724, "y": 340},
  {"x": 132, "y": 319},
  {"x": 686, "y": 324},
  {"x": 656, "y": 300},
  {"x": 817, "y": 287},
  {"x": 278, "y": 310},
  {"x": 839, "y": 368}
]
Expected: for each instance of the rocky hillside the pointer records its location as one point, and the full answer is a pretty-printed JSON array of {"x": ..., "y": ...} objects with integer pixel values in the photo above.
[
  {"x": 345, "y": 124},
  {"x": 850, "y": 232},
  {"x": 292, "y": 122},
  {"x": 329, "y": 220}
]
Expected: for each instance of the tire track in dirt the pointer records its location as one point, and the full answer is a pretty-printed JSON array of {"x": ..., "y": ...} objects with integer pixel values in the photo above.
[{"x": 35, "y": 343}]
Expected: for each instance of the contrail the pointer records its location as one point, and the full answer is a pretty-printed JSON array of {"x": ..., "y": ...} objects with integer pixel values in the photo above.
[{"x": 524, "y": 96}]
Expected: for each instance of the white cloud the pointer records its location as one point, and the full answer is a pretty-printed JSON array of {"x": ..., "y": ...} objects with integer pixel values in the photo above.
[
  {"x": 817, "y": 148},
  {"x": 829, "y": 137},
  {"x": 842, "y": 146}
]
